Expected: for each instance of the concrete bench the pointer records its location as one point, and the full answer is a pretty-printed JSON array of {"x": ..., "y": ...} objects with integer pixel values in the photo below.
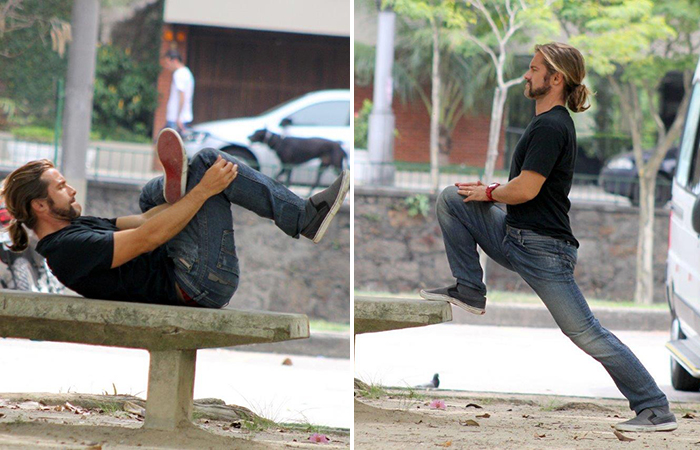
[
  {"x": 171, "y": 334},
  {"x": 383, "y": 314}
]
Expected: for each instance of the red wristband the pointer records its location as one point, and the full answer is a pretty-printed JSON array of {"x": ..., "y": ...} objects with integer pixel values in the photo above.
[{"x": 490, "y": 189}]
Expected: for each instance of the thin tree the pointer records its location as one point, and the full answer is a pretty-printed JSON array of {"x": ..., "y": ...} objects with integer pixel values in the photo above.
[
  {"x": 635, "y": 43},
  {"x": 500, "y": 26},
  {"x": 439, "y": 15}
]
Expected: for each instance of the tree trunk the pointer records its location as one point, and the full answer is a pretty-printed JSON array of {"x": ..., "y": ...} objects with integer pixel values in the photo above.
[
  {"x": 435, "y": 113},
  {"x": 644, "y": 285},
  {"x": 499, "y": 102}
]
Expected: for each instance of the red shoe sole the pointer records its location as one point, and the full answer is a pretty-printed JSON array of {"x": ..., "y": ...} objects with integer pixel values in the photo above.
[{"x": 171, "y": 152}]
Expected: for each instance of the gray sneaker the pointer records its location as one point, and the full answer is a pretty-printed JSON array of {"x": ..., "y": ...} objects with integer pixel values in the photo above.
[
  {"x": 473, "y": 302},
  {"x": 650, "y": 419},
  {"x": 325, "y": 205}
]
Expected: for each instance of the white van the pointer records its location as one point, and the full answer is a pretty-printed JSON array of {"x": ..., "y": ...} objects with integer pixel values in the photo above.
[{"x": 683, "y": 269}]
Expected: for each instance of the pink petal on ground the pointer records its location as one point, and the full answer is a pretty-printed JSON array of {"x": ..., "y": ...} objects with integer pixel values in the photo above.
[
  {"x": 437, "y": 404},
  {"x": 319, "y": 438}
]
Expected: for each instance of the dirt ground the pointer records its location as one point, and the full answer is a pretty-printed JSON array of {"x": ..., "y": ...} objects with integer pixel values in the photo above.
[
  {"x": 405, "y": 419},
  {"x": 34, "y": 425}
]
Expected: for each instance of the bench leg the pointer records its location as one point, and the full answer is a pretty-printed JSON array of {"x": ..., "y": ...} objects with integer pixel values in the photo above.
[{"x": 170, "y": 389}]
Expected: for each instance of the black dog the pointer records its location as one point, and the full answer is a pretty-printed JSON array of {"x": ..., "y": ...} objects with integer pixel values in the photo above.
[{"x": 293, "y": 151}]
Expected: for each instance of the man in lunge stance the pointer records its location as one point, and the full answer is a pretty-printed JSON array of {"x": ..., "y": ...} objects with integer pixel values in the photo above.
[
  {"x": 181, "y": 249},
  {"x": 534, "y": 237}
]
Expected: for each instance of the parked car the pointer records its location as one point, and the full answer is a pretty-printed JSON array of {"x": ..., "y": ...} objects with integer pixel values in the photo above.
[
  {"x": 324, "y": 114},
  {"x": 620, "y": 176},
  {"x": 683, "y": 264}
]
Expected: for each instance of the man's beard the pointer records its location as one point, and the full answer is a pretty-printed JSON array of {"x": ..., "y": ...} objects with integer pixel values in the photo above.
[
  {"x": 69, "y": 213},
  {"x": 533, "y": 94}
]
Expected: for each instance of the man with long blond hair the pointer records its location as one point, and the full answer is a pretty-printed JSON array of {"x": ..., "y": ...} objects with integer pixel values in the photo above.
[{"x": 534, "y": 237}]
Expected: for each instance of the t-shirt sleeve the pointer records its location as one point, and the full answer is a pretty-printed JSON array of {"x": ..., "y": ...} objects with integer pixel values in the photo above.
[
  {"x": 86, "y": 251},
  {"x": 543, "y": 150}
]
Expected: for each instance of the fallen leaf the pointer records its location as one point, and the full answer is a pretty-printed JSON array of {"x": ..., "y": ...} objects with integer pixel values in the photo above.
[
  {"x": 30, "y": 405},
  {"x": 622, "y": 437},
  {"x": 287, "y": 362},
  {"x": 469, "y": 423},
  {"x": 445, "y": 444},
  {"x": 473, "y": 405},
  {"x": 484, "y": 416},
  {"x": 225, "y": 428},
  {"x": 689, "y": 416},
  {"x": 540, "y": 436},
  {"x": 526, "y": 416},
  {"x": 133, "y": 408}
]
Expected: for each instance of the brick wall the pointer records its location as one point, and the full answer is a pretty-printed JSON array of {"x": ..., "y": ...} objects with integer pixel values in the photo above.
[{"x": 469, "y": 140}]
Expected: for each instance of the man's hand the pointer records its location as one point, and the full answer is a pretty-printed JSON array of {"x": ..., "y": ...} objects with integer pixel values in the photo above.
[
  {"x": 473, "y": 191},
  {"x": 218, "y": 177}
]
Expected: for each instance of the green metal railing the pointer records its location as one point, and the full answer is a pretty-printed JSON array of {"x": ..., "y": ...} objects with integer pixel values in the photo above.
[{"x": 416, "y": 177}]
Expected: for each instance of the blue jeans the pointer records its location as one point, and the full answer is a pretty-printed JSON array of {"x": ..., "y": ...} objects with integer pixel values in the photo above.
[
  {"x": 547, "y": 265},
  {"x": 204, "y": 252}
]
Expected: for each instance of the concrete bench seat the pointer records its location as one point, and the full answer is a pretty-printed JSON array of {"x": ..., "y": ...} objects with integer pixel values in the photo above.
[
  {"x": 383, "y": 314},
  {"x": 171, "y": 334}
]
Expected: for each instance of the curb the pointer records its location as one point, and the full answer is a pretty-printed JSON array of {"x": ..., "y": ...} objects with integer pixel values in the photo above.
[
  {"x": 323, "y": 344},
  {"x": 537, "y": 316}
]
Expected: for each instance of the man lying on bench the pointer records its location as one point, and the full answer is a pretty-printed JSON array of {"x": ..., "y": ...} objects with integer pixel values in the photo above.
[{"x": 181, "y": 250}]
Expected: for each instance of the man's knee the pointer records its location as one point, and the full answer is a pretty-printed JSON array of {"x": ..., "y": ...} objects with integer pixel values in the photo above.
[
  {"x": 206, "y": 156},
  {"x": 447, "y": 199}
]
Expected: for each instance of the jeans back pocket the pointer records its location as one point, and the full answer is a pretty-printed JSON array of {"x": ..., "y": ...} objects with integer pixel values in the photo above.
[{"x": 228, "y": 260}]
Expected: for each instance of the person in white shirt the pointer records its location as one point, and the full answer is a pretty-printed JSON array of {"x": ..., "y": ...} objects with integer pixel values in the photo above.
[{"x": 179, "y": 109}]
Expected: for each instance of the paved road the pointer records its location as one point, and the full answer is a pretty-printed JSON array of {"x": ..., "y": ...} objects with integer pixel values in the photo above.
[
  {"x": 313, "y": 390},
  {"x": 502, "y": 359}
]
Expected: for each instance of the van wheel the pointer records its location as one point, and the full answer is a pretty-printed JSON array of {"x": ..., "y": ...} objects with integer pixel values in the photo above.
[
  {"x": 243, "y": 155},
  {"x": 680, "y": 379}
]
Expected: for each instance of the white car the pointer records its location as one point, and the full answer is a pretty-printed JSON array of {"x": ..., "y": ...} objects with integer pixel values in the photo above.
[
  {"x": 683, "y": 266},
  {"x": 322, "y": 114}
]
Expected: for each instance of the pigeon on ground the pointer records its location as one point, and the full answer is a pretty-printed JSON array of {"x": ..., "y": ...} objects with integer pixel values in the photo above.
[{"x": 434, "y": 383}]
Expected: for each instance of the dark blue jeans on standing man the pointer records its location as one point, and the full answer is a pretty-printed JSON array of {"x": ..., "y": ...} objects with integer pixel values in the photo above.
[
  {"x": 547, "y": 265},
  {"x": 204, "y": 252}
]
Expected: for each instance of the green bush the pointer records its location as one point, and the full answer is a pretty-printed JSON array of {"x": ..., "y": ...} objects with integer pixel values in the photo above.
[
  {"x": 30, "y": 68},
  {"x": 125, "y": 96},
  {"x": 33, "y": 134},
  {"x": 362, "y": 124}
]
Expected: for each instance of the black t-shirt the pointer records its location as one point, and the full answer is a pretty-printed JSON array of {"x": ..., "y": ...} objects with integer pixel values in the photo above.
[
  {"x": 80, "y": 255},
  {"x": 547, "y": 147}
]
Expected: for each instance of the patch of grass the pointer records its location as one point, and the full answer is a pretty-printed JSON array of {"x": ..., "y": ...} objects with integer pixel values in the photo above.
[
  {"x": 258, "y": 424},
  {"x": 527, "y": 298},
  {"x": 307, "y": 427},
  {"x": 550, "y": 405},
  {"x": 322, "y": 325},
  {"x": 373, "y": 217},
  {"x": 373, "y": 391},
  {"x": 109, "y": 408},
  {"x": 17, "y": 420}
]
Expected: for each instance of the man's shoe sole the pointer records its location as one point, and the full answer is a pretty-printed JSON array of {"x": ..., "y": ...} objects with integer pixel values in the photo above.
[
  {"x": 647, "y": 428},
  {"x": 172, "y": 155},
  {"x": 344, "y": 188},
  {"x": 446, "y": 298}
]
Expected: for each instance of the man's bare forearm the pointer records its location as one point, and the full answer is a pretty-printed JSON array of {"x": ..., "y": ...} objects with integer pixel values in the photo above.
[{"x": 136, "y": 220}]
